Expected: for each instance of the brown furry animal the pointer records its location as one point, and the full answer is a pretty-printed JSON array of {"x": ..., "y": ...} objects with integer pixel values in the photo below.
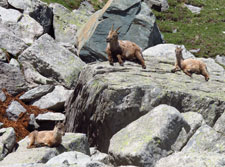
[
  {"x": 48, "y": 138},
  {"x": 122, "y": 50},
  {"x": 189, "y": 66}
]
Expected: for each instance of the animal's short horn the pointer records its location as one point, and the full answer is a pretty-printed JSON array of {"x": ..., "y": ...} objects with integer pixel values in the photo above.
[
  {"x": 118, "y": 28},
  {"x": 112, "y": 27}
]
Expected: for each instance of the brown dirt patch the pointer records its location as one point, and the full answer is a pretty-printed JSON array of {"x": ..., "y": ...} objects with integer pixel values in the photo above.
[{"x": 21, "y": 125}]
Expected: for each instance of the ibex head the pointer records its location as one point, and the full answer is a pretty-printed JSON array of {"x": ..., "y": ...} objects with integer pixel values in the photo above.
[
  {"x": 60, "y": 127},
  {"x": 113, "y": 35}
]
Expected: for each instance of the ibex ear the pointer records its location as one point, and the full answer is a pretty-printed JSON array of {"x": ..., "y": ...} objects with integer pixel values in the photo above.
[{"x": 118, "y": 29}]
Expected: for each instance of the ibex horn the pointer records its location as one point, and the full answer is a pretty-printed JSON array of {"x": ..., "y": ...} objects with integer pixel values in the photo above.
[
  {"x": 118, "y": 28},
  {"x": 112, "y": 27}
]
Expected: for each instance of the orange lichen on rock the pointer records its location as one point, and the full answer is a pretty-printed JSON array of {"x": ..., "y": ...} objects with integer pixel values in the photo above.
[{"x": 21, "y": 125}]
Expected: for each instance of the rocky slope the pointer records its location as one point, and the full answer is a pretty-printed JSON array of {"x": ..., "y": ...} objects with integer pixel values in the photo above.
[{"x": 137, "y": 117}]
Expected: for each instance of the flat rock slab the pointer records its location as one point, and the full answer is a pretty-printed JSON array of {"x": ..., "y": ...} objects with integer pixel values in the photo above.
[
  {"x": 54, "y": 100},
  {"x": 189, "y": 159},
  {"x": 9, "y": 15},
  {"x": 36, "y": 93},
  {"x": 50, "y": 116},
  {"x": 12, "y": 79},
  {"x": 110, "y": 97}
]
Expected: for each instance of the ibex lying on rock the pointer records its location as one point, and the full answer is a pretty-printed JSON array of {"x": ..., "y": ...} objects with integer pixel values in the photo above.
[
  {"x": 122, "y": 50},
  {"x": 47, "y": 138},
  {"x": 189, "y": 66}
]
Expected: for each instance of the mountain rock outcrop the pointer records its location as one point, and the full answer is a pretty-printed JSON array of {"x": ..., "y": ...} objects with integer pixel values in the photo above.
[{"x": 138, "y": 25}]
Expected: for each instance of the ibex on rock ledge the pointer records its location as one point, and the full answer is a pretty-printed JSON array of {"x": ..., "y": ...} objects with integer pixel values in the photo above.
[
  {"x": 122, "y": 50},
  {"x": 189, "y": 66},
  {"x": 48, "y": 138}
]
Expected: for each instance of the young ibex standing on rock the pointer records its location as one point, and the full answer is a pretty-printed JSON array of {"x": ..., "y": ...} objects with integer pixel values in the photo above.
[
  {"x": 122, "y": 50},
  {"x": 189, "y": 66},
  {"x": 48, "y": 138}
]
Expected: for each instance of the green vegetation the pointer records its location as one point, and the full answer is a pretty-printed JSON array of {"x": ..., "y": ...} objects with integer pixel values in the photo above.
[
  {"x": 74, "y": 4},
  {"x": 203, "y": 31}
]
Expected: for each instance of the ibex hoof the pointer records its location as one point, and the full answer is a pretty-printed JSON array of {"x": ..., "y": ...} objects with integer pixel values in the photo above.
[
  {"x": 121, "y": 64},
  {"x": 144, "y": 67},
  {"x": 111, "y": 64},
  {"x": 206, "y": 79}
]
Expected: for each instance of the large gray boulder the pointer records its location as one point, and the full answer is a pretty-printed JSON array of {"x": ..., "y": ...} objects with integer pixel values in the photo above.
[
  {"x": 107, "y": 98},
  {"x": 70, "y": 142},
  {"x": 14, "y": 110},
  {"x": 64, "y": 24},
  {"x": 12, "y": 79},
  {"x": 26, "y": 29},
  {"x": 9, "y": 15},
  {"x": 189, "y": 159},
  {"x": 219, "y": 125},
  {"x": 137, "y": 21},
  {"x": 9, "y": 42},
  {"x": 54, "y": 100},
  {"x": 147, "y": 139},
  {"x": 52, "y": 61},
  {"x": 7, "y": 141},
  {"x": 37, "y": 10},
  {"x": 195, "y": 120},
  {"x": 160, "y": 5},
  {"x": 206, "y": 139}
]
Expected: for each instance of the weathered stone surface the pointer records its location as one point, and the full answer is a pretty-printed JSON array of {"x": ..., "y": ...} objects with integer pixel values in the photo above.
[
  {"x": 9, "y": 42},
  {"x": 83, "y": 13},
  {"x": 137, "y": 21},
  {"x": 160, "y": 5},
  {"x": 193, "y": 9},
  {"x": 70, "y": 142},
  {"x": 76, "y": 142},
  {"x": 32, "y": 123},
  {"x": 220, "y": 60},
  {"x": 64, "y": 24},
  {"x": 107, "y": 98},
  {"x": 54, "y": 100},
  {"x": 195, "y": 120},
  {"x": 219, "y": 125},
  {"x": 4, "y": 3},
  {"x": 50, "y": 116},
  {"x": 9, "y": 15},
  {"x": 99, "y": 156},
  {"x": 14, "y": 110},
  {"x": 188, "y": 159},
  {"x": 7, "y": 141},
  {"x": 12, "y": 79},
  {"x": 3, "y": 55},
  {"x": 206, "y": 139},
  {"x": 74, "y": 158},
  {"x": 44, "y": 16},
  {"x": 26, "y": 29},
  {"x": 2, "y": 96},
  {"x": 36, "y": 93},
  {"x": 147, "y": 139},
  {"x": 51, "y": 61},
  {"x": 13, "y": 62}
]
